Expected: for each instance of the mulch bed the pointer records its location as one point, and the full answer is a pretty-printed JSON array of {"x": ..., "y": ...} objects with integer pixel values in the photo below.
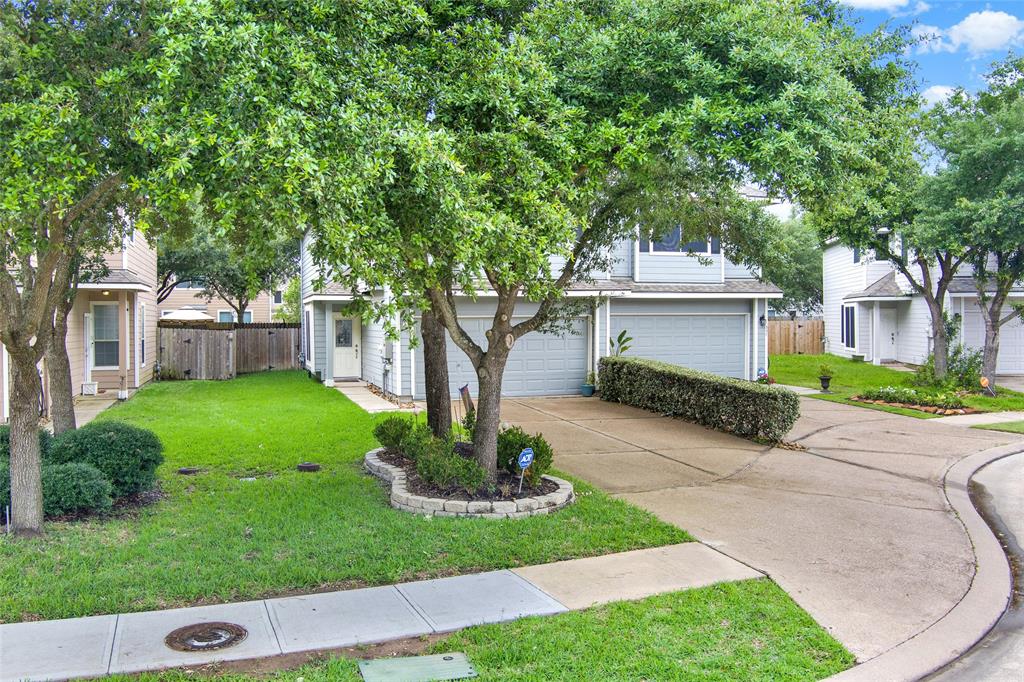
[
  {"x": 507, "y": 487},
  {"x": 946, "y": 411}
]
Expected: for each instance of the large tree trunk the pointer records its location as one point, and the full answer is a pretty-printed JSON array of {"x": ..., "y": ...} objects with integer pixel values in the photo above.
[
  {"x": 488, "y": 411},
  {"x": 435, "y": 374},
  {"x": 940, "y": 343},
  {"x": 58, "y": 369},
  {"x": 26, "y": 462},
  {"x": 990, "y": 355}
]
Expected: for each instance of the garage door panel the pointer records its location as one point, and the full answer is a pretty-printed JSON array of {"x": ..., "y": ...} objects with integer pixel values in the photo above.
[
  {"x": 539, "y": 364},
  {"x": 711, "y": 343},
  {"x": 1011, "y": 338}
]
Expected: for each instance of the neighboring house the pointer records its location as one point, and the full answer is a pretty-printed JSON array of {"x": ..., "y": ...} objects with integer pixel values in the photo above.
[
  {"x": 184, "y": 295},
  {"x": 112, "y": 337},
  {"x": 705, "y": 316},
  {"x": 871, "y": 311}
]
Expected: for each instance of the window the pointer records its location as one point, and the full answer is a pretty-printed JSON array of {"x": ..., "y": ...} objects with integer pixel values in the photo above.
[
  {"x": 278, "y": 297},
  {"x": 225, "y": 316},
  {"x": 106, "y": 340},
  {"x": 247, "y": 317},
  {"x": 856, "y": 254},
  {"x": 671, "y": 242},
  {"x": 142, "y": 332},
  {"x": 848, "y": 325}
]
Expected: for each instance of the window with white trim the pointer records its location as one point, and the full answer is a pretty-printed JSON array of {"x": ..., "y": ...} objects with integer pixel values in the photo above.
[
  {"x": 848, "y": 325},
  {"x": 226, "y": 316},
  {"x": 142, "y": 332},
  {"x": 106, "y": 346},
  {"x": 672, "y": 242}
]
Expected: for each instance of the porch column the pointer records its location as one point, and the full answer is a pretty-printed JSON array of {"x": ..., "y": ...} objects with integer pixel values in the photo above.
[
  {"x": 329, "y": 347},
  {"x": 755, "y": 339},
  {"x": 124, "y": 345},
  {"x": 876, "y": 345},
  {"x": 597, "y": 338},
  {"x": 137, "y": 331}
]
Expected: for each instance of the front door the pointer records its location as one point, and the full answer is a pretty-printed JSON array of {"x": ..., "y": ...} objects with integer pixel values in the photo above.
[
  {"x": 346, "y": 347},
  {"x": 888, "y": 331}
]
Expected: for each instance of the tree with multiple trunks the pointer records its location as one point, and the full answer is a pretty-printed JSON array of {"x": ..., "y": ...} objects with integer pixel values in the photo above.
[
  {"x": 64, "y": 157},
  {"x": 497, "y": 150},
  {"x": 977, "y": 192}
]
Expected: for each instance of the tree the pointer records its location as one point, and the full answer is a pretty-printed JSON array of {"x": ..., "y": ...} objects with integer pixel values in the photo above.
[
  {"x": 978, "y": 191},
  {"x": 290, "y": 309},
  {"x": 235, "y": 274},
  {"x": 518, "y": 135},
  {"x": 793, "y": 262},
  {"x": 64, "y": 155}
]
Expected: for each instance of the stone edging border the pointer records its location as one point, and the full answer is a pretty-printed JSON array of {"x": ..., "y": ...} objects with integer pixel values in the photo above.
[
  {"x": 963, "y": 626},
  {"x": 402, "y": 499}
]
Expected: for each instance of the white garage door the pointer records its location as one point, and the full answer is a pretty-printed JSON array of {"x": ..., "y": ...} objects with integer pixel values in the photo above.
[
  {"x": 539, "y": 364},
  {"x": 1011, "y": 338},
  {"x": 710, "y": 343}
]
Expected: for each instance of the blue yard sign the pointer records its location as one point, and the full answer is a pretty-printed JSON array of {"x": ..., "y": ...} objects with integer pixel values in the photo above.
[{"x": 524, "y": 460}]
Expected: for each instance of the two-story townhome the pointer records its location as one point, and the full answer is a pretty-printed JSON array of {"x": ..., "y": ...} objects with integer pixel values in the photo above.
[
  {"x": 111, "y": 340},
  {"x": 873, "y": 312},
  {"x": 700, "y": 312},
  {"x": 185, "y": 296}
]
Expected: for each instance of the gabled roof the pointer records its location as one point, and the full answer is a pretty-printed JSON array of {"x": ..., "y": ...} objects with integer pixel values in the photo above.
[{"x": 885, "y": 287}]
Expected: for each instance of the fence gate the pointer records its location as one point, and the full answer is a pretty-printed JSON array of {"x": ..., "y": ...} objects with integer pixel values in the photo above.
[
  {"x": 223, "y": 350},
  {"x": 796, "y": 337}
]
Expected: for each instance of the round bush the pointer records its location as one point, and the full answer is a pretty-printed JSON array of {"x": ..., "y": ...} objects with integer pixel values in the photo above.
[
  {"x": 67, "y": 489},
  {"x": 74, "y": 487},
  {"x": 127, "y": 455},
  {"x": 416, "y": 441},
  {"x": 391, "y": 430},
  {"x": 45, "y": 442},
  {"x": 513, "y": 441}
]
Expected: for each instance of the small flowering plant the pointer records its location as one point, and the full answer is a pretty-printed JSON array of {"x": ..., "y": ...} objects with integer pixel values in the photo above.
[{"x": 764, "y": 378}]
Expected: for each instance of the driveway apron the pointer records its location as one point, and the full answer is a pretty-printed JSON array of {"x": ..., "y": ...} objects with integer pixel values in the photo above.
[{"x": 854, "y": 526}]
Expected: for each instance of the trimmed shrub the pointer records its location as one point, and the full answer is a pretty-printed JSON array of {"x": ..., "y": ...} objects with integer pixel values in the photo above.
[
  {"x": 513, "y": 441},
  {"x": 392, "y": 430},
  {"x": 910, "y": 396},
  {"x": 45, "y": 442},
  {"x": 73, "y": 488},
  {"x": 70, "y": 488},
  {"x": 744, "y": 408},
  {"x": 443, "y": 467},
  {"x": 963, "y": 371},
  {"x": 416, "y": 441},
  {"x": 127, "y": 455}
]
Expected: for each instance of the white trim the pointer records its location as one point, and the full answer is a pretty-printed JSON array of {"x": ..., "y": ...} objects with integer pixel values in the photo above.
[
  {"x": 877, "y": 299},
  {"x": 396, "y": 364},
  {"x": 767, "y": 358},
  {"x": 130, "y": 286},
  {"x": 746, "y": 348},
  {"x": 5, "y": 360},
  {"x": 327, "y": 297},
  {"x": 310, "y": 321},
  {"x": 734, "y": 314},
  {"x": 608, "y": 328},
  {"x": 91, "y": 343},
  {"x": 963, "y": 320},
  {"x": 876, "y": 346},
  {"x": 753, "y": 333},
  {"x": 142, "y": 337},
  {"x": 855, "y": 348},
  {"x": 87, "y": 318},
  {"x": 722, "y": 259},
  {"x": 636, "y": 257},
  {"x": 412, "y": 364},
  {"x": 681, "y": 295},
  {"x": 234, "y": 318},
  {"x": 595, "y": 348},
  {"x": 137, "y": 345},
  {"x": 329, "y": 347},
  {"x": 1013, "y": 294}
]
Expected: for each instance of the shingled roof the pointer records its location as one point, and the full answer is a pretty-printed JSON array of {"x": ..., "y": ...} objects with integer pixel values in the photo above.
[{"x": 885, "y": 287}]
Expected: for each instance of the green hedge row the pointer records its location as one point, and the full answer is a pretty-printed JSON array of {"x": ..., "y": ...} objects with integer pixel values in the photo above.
[{"x": 744, "y": 408}]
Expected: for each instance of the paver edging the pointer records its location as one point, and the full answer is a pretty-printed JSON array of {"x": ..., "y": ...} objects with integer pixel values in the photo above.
[
  {"x": 522, "y": 508},
  {"x": 984, "y": 603}
]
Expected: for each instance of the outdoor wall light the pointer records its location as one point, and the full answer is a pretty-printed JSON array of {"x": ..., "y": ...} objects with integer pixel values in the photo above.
[
  {"x": 106, "y": 293},
  {"x": 762, "y": 320}
]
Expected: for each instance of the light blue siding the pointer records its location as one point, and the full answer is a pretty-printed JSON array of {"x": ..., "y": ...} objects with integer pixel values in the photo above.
[
  {"x": 320, "y": 342},
  {"x": 679, "y": 267}
]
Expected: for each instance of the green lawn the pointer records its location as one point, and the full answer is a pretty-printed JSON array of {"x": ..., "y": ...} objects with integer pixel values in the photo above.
[
  {"x": 749, "y": 630},
  {"x": 850, "y": 378},
  {"x": 1011, "y": 427},
  {"x": 250, "y": 526}
]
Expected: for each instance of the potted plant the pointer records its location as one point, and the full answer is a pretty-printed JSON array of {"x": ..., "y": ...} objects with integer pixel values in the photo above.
[
  {"x": 588, "y": 388},
  {"x": 825, "y": 377}
]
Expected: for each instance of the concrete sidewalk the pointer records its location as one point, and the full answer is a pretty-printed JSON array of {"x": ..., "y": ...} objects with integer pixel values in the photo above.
[
  {"x": 135, "y": 642},
  {"x": 361, "y": 395},
  {"x": 981, "y": 418}
]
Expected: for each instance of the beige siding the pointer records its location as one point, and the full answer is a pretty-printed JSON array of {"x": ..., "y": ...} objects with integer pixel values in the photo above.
[{"x": 262, "y": 306}]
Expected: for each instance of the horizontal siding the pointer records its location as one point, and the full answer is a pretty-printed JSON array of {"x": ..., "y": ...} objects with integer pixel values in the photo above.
[
  {"x": 841, "y": 277},
  {"x": 678, "y": 267}
]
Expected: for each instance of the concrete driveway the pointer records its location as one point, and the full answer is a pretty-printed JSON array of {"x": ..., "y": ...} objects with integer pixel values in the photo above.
[{"x": 855, "y": 527}]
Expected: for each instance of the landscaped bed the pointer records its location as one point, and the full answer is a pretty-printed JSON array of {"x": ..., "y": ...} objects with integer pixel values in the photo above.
[
  {"x": 249, "y": 525},
  {"x": 747, "y": 630}
]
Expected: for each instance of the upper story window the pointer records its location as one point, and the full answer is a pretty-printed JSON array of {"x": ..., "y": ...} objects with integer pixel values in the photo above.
[
  {"x": 856, "y": 254},
  {"x": 671, "y": 242},
  {"x": 278, "y": 296},
  {"x": 189, "y": 284}
]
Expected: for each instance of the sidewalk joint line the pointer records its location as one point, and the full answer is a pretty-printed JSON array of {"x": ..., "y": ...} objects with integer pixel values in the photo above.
[
  {"x": 273, "y": 628},
  {"x": 113, "y": 641},
  {"x": 417, "y": 610}
]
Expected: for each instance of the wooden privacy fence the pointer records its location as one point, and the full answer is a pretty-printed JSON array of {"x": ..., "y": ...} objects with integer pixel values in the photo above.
[
  {"x": 214, "y": 350},
  {"x": 796, "y": 337}
]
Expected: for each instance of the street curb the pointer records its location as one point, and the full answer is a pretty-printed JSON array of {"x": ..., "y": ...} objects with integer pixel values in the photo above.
[{"x": 978, "y": 610}]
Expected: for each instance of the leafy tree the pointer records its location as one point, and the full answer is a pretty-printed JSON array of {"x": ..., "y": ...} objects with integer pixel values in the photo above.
[
  {"x": 978, "y": 191},
  {"x": 478, "y": 144},
  {"x": 793, "y": 262},
  {"x": 290, "y": 309},
  {"x": 64, "y": 156}
]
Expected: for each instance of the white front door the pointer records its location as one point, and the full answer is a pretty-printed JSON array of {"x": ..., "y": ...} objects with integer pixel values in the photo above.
[
  {"x": 888, "y": 331},
  {"x": 346, "y": 347}
]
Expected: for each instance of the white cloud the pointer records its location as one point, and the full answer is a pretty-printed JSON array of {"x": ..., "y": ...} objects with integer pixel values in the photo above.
[
  {"x": 978, "y": 33},
  {"x": 936, "y": 94}
]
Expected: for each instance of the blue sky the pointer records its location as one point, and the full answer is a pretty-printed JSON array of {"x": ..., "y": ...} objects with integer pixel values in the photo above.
[{"x": 963, "y": 38}]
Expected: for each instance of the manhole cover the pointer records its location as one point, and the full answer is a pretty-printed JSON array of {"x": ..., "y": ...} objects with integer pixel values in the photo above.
[{"x": 206, "y": 637}]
